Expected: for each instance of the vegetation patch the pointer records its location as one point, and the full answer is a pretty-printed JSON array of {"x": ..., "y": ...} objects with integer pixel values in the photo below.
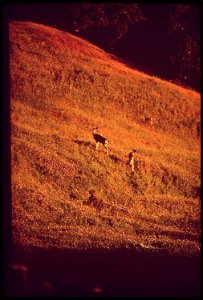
[{"x": 65, "y": 193}]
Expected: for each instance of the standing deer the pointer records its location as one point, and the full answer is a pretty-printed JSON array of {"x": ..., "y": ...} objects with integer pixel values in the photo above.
[
  {"x": 131, "y": 159},
  {"x": 100, "y": 140}
]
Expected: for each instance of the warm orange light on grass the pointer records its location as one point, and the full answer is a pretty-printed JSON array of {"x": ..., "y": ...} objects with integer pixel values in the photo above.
[{"x": 62, "y": 87}]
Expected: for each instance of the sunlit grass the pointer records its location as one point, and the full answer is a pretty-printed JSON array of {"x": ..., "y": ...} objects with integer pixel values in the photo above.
[{"x": 62, "y": 87}]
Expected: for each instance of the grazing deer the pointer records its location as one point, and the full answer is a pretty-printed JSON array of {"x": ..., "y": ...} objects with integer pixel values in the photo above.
[{"x": 100, "y": 140}]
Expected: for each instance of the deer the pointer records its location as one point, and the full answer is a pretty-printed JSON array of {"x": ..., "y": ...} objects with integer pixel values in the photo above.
[
  {"x": 100, "y": 140},
  {"x": 131, "y": 159}
]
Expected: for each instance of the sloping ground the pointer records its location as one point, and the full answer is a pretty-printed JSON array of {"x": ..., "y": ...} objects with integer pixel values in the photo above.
[{"x": 62, "y": 87}]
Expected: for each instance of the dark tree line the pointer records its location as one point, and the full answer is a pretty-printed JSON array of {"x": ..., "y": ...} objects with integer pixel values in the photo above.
[
  {"x": 106, "y": 23},
  {"x": 161, "y": 39},
  {"x": 185, "y": 31}
]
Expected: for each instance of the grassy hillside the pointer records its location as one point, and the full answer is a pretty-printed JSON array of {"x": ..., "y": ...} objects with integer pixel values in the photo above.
[{"x": 62, "y": 87}]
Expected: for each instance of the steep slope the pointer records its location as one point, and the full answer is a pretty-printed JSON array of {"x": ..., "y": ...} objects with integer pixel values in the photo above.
[{"x": 62, "y": 87}]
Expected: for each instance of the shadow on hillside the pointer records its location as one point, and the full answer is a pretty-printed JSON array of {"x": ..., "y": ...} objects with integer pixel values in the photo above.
[
  {"x": 116, "y": 272},
  {"x": 180, "y": 235},
  {"x": 115, "y": 158},
  {"x": 83, "y": 143}
]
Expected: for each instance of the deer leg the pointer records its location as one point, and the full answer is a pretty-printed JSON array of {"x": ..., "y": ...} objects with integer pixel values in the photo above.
[
  {"x": 106, "y": 146},
  {"x": 97, "y": 146},
  {"x": 132, "y": 164}
]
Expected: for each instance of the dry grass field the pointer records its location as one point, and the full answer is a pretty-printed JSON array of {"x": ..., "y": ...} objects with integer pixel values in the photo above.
[
  {"x": 61, "y": 87},
  {"x": 141, "y": 235}
]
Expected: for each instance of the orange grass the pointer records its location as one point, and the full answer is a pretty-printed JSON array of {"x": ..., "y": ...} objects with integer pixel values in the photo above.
[{"x": 62, "y": 87}]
